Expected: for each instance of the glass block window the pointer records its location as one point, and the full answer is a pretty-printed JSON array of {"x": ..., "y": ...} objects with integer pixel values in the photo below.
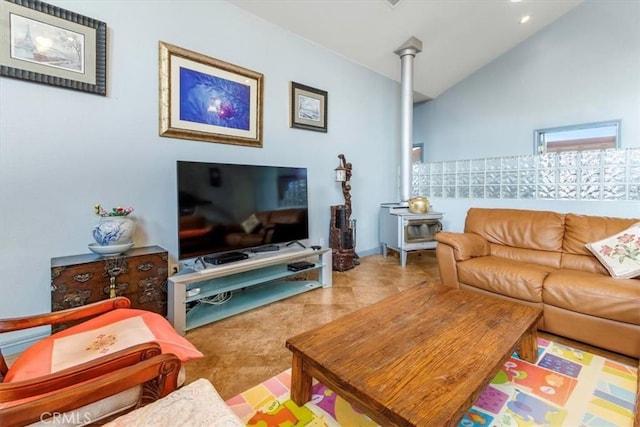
[
  {"x": 575, "y": 175},
  {"x": 295, "y": 194}
]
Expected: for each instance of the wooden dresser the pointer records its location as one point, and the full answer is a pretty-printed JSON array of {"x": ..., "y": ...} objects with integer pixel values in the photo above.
[{"x": 140, "y": 275}]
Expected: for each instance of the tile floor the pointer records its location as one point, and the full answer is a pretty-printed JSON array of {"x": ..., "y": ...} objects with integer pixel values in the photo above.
[{"x": 246, "y": 349}]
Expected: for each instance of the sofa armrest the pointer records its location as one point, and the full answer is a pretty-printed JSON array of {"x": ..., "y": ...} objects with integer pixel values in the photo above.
[
  {"x": 464, "y": 245},
  {"x": 455, "y": 247},
  {"x": 447, "y": 266}
]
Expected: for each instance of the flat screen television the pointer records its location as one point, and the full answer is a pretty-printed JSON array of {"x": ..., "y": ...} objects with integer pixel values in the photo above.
[{"x": 233, "y": 208}]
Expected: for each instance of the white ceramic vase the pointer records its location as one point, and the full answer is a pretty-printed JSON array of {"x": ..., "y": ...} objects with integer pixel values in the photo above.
[{"x": 114, "y": 230}]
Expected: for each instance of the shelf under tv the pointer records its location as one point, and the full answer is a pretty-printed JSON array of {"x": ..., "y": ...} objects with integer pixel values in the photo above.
[{"x": 253, "y": 282}]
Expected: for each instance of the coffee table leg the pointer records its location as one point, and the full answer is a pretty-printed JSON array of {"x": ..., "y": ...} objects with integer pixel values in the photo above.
[
  {"x": 529, "y": 345},
  {"x": 300, "y": 382}
]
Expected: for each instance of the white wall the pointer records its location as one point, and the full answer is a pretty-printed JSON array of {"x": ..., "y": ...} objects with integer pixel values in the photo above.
[
  {"x": 585, "y": 67},
  {"x": 62, "y": 151},
  {"x": 455, "y": 210}
]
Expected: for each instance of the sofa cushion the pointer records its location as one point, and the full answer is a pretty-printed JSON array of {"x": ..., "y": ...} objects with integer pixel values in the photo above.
[
  {"x": 620, "y": 253},
  {"x": 282, "y": 216},
  {"x": 288, "y": 216},
  {"x": 530, "y": 256},
  {"x": 594, "y": 294},
  {"x": 511, "y": 278},
  {"x": 540, "y": 230},
  {"x": 582, "y": 229},
  {"x": 586, "y": 263}
]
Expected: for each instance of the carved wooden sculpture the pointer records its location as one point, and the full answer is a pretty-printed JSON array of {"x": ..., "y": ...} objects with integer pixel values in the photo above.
[{"x": 341, "y": 234}]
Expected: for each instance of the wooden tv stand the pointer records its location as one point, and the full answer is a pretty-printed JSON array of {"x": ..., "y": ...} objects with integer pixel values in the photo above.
[{"x": 254, "y": 282}]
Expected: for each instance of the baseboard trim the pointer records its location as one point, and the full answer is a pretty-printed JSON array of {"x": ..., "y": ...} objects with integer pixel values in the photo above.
[{"x": 374, "y": 251}]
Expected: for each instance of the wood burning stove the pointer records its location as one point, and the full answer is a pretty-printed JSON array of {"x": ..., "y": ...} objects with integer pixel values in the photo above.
[
  {"x": 401, "y": 229},
  {"x": 404, "y": 231}
]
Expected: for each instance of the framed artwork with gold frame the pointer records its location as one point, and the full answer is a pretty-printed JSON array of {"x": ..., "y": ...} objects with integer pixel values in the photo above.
[{"x": 206, "y": 99}]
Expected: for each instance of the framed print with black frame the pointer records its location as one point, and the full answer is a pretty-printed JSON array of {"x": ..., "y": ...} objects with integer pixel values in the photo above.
[
  {"x": 50, "y": 45},
  {"x": 308, "y": 108},
  {"x": 206, "y": 99}
]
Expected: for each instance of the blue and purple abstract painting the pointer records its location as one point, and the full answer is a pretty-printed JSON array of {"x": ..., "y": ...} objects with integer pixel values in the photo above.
[{"x": 213, "y": 100}]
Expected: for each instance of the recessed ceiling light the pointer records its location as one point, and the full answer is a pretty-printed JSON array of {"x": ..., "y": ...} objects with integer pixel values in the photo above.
[{"x": 525, "y": 19}]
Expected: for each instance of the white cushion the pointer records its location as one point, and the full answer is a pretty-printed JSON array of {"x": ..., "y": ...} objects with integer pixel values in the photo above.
[
  {"x": 250, "y": 223},
  {"x": 620, "y": 253},
  {"x": 196, "y": 404}
]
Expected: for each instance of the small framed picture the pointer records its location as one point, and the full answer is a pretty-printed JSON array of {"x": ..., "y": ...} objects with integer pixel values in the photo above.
[
  {"x": 308, "y": 108},
  {"x": 206, "y": 99},
  {"x": 47, "y": 44}
]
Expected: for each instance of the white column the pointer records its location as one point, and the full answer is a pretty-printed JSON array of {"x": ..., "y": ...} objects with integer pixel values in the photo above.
[{"x": 407, "y": 53}]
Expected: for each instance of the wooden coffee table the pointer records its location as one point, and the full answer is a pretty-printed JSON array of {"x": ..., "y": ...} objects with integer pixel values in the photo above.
[{"x": 419, "y": 358}]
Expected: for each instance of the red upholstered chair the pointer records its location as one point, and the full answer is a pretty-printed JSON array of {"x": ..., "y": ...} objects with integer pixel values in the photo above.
[{"x": 118, "y": 359}]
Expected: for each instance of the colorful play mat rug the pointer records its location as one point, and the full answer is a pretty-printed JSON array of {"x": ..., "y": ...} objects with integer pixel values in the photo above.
[{"x": 566, "y": 387}]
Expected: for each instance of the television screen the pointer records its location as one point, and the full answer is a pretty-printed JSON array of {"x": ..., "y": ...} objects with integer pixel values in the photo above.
[{"x": 229, "y": 207}]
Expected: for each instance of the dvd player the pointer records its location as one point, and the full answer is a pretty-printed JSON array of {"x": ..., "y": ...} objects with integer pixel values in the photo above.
[
  {"x": 300, "y": 265},
  {"x": 225, "y": 258}
]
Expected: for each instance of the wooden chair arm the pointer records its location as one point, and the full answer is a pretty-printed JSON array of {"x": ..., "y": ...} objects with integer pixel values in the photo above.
[
  {"x": 62, "y": 316},
  {"x": 158, "y": 375},
  {"x": 3, "y": 367},
  {"x": 76, "y": 374}
]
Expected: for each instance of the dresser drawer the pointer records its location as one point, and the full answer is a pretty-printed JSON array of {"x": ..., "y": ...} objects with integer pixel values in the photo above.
[{"x": 140, "y": 275}]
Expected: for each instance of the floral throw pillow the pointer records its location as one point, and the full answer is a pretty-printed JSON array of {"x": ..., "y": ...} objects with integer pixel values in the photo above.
[
  {"x": 251, "y": 223},
  {"x": 620, "y": 253}
]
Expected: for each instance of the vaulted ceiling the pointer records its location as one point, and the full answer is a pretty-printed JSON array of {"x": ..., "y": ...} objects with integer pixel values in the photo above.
[{"x": 459, "y": 36}]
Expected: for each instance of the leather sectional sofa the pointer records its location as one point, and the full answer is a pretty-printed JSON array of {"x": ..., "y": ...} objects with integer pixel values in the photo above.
[
  {"x": 539, "y": 258},
  {"x": 198, "y": 235},
  {"x": 272, "y": 226}
]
